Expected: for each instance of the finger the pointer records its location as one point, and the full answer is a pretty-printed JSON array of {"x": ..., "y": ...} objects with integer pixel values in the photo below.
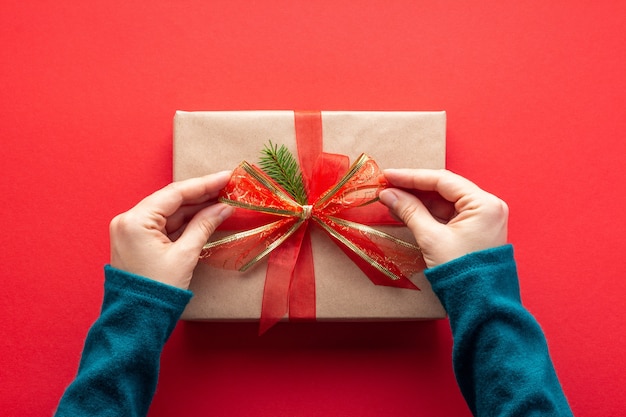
[
  {"x": 182, "y": 216},
  {"x": 440, "y": 208},
  {"x": 411, "y": 211},
  {"x": 449, "y": 185},
  {"x": 167, "y": 200},
  {"x": 202, "y": 226}
]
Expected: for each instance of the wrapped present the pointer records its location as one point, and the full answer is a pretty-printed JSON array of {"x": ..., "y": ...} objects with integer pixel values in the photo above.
[{"x": 340, "y": 285}]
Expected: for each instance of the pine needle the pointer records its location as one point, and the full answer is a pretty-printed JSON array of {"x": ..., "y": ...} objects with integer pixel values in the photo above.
[{"x": 280, "y": 165}]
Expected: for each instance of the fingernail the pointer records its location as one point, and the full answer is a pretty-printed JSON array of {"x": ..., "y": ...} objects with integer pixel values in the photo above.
[{"x": 388, "y": 197}]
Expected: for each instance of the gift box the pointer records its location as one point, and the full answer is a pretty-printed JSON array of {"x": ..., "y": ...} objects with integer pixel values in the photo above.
[{"x": 211, "y": 141}]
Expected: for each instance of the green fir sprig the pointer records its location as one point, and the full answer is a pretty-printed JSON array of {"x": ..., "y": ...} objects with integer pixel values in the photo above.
[{"x": 280, "y": 165}]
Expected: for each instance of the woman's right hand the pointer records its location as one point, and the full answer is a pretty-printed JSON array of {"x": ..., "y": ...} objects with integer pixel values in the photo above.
[{"x": 449, "y": 215}]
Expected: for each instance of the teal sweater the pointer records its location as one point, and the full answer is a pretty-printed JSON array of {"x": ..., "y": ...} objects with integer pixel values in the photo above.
[
  {"x": 119, "y": 367},
  {"x": 500, "y": 356}
]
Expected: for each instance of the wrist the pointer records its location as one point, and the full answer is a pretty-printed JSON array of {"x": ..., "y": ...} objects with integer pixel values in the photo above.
[{"x": 146, "y": 284}]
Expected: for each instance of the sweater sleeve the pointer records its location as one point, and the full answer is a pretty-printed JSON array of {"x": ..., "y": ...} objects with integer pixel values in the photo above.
[
  {"x": 500, "y": 355},
  {"x": 119, "y": 367}
]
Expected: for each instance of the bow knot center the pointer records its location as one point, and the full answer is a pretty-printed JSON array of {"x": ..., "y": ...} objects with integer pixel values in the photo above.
[{"x": 307, "y": 210}]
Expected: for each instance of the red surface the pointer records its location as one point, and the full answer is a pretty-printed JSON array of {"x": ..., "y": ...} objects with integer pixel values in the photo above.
[{"x": 535, "y": 94}]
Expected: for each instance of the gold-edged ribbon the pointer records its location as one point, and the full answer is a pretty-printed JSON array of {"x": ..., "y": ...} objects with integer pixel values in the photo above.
[{"x": 289, "y": 286}]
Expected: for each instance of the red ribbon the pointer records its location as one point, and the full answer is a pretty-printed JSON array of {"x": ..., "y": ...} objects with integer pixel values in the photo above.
[
  {"x": 299, "y": 297},
  {"x": 290, "y": 277}
]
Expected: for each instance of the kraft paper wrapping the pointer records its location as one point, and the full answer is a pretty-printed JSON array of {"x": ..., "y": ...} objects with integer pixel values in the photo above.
[{"x": 207, "y": 142}]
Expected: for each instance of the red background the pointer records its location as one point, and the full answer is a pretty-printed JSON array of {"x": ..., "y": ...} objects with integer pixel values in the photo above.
[{"x": 535, "y": 93}]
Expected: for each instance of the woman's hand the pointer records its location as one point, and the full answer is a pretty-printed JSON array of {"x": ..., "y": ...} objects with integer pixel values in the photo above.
[
  {"x": 162, "y": 236},
  {"x": 449, "y": 215}
]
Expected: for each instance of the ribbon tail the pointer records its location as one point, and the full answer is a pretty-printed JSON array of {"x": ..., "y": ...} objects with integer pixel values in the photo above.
[
  {"x": 374, "y": 275},
  {"x": 278, "y": 279},
  {"x": 302, "y": 291}
]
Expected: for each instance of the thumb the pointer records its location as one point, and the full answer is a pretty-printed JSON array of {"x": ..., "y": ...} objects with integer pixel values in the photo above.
[
  {"x": 411, "y": 211},
  {"x": 202, "y": 226}
]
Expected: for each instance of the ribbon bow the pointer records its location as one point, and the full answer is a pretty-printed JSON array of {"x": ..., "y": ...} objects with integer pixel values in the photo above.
[{"x": 290, "y": 286}]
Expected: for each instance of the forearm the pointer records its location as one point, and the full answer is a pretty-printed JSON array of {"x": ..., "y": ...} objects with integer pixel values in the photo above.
[
  {"x": 500, "y": 356},
  {"x": 120, "y": 362}
]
